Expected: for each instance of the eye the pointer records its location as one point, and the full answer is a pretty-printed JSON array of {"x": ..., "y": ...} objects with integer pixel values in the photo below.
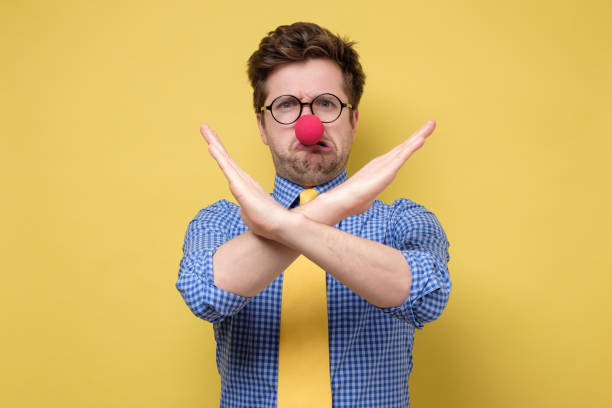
[
  {"x": 326, "y": 102},
  {"x": 285, "y": 103}
]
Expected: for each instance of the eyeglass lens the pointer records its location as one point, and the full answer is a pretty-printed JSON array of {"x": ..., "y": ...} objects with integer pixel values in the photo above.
[{"x": 286, "y": 108}]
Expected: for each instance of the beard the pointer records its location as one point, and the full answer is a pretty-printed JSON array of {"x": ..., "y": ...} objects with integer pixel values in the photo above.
[{"x": 304, "y": 172}]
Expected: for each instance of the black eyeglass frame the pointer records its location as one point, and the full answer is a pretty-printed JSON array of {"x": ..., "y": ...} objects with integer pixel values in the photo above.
[{"x": 342, "y": 106}]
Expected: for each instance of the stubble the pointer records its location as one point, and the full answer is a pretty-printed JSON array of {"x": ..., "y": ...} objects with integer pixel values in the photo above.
[{"x": 304, "y": 172}]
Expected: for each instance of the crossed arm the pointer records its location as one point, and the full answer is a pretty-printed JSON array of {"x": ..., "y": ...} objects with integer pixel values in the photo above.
[{"x": 248, "y": 263}]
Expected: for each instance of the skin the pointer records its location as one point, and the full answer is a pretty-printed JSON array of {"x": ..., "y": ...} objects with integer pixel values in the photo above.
[
  {"x": 248, "y": 263},
  {"x": 308, "y": 166}
]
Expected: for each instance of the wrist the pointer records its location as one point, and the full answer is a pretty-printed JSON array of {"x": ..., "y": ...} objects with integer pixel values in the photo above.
[
  {"x": 334, "y": 207},
  {"x": 286, "y": 231},
  {"x": 326, "y": 209}
]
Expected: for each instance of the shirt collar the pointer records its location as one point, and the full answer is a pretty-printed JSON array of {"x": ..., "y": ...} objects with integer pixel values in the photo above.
[{"x": 285, "y": 192}]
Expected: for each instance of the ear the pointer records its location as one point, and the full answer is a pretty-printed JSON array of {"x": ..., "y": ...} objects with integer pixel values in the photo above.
[
  {"x": 355, "y": 113},
  {"x": 262, "y": 130}
]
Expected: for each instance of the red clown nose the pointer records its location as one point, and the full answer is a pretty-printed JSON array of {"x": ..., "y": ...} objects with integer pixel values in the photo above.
[{"x": 309, "y": 129}]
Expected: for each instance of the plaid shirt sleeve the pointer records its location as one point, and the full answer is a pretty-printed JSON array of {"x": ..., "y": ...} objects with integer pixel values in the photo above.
[
  {"x": 210, "y": 228},
  {"x": 417, "y": 233}
]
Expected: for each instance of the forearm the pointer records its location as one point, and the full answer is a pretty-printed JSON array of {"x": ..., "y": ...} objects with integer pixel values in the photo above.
[
  {"x": 376, "y": 272},
  {"x": 247, "y": 264}
]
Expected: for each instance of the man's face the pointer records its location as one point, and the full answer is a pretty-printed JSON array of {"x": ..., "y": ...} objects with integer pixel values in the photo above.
[{"x": 308, "y": 166}]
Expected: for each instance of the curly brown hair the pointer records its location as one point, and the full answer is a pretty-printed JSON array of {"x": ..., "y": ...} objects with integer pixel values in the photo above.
[{"x": 299, "y": 42}]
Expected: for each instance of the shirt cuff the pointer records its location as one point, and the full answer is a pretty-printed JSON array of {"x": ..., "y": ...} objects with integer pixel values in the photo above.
[
  {"x": 424, "y": 302},
  {"x": 196, "y": 285}
]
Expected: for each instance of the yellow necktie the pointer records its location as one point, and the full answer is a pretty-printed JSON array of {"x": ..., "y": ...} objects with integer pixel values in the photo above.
[{"x": 303, "y": 357}]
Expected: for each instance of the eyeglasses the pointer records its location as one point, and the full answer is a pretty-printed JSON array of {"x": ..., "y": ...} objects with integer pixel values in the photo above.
[{"x": 286, "y": 109}]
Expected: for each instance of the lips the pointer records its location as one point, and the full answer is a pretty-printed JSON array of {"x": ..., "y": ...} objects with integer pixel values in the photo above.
[
  {"x": 322, "y": 146},
  {"x": 322, "y": 143}
]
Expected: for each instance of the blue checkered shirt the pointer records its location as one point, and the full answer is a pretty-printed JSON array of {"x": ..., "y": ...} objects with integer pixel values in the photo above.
[{"x": 370, "y": 348}]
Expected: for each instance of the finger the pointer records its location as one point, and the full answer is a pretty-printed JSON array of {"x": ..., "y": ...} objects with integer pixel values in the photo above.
[
  {"x": 416, "y": 137},
  {"x": 229, "y": 166},
  {"x": 400, "y": 154},
  {"x": 222, "y": 160},
  {"x": 233, "y": 172},
  {"x": 210, "y": 136},
  {"x": 421, "y": 134},
  {"x": 427, "y": 129},
  {"x": 241, "y": 184},
  {"x": 213, "y": 139},
  {"x": 415, "y": 141},
  {"x": 230, "y": 161}
]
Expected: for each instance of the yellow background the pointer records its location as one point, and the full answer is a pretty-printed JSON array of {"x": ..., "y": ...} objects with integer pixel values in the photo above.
[{"x": 103, "y": 167}]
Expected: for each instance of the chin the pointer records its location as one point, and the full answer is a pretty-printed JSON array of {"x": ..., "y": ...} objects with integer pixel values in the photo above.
[
  {"x": 306, "y": 173},
  {"x": 312, "y": 178}
]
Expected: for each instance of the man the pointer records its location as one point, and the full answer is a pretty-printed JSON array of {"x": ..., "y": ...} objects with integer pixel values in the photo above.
[{"x": 386, "y": 265}]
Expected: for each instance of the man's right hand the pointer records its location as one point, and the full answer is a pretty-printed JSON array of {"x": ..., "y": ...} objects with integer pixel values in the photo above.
[{"x": 356, "y": 195}]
